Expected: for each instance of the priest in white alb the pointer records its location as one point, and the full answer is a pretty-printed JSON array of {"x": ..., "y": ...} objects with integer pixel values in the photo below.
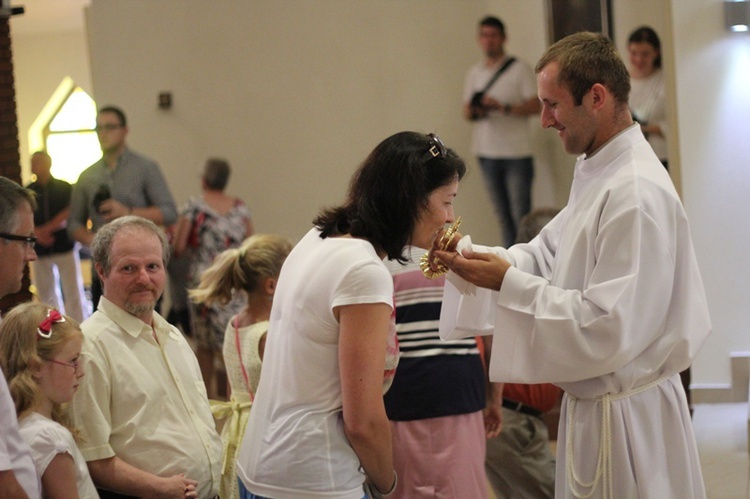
[{"x": 607, "y": 302}]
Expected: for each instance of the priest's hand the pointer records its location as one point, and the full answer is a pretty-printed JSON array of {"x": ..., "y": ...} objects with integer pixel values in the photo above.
[{"x": 485, "y": 270}]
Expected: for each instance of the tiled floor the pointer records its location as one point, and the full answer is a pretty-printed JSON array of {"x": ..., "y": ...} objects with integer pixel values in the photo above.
[{"x": 721, "y": 433}]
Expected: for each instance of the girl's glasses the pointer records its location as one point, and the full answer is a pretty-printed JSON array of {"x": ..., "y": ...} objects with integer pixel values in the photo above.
[{"x": 78, "y": 364}]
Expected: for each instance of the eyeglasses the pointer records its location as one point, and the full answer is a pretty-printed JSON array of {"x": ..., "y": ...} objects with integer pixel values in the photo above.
[
  {"x": 437, "y": 148},
  {"x": 29, "y": 241},
  {"x": 108, "y": 127},
  {"x": 78, "y": 364}
]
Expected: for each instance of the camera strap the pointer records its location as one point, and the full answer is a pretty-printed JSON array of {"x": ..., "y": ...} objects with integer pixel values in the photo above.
[{"x": 506, "y": 64}]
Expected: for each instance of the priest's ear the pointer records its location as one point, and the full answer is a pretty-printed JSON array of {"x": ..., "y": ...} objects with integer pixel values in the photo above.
[{"x": 599, "y": 96}]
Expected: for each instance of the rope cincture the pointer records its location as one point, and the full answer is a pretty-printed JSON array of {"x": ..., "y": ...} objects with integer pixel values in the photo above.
[{"x": 604, "y": 460}]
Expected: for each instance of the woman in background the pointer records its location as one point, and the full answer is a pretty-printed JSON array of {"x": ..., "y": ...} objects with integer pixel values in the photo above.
[
  {"x": 318, "y": 425},
  {"x": 647, "y": 97},
  {"x": 209, "y": 224},
  {"x": 251, "y": 270}
]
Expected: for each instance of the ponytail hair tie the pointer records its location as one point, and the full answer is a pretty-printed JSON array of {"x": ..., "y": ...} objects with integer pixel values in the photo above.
[{"x": 45, "y": 327}]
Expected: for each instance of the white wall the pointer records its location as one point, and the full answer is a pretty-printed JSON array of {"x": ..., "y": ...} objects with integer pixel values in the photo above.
[
  {"x": 712, "y": 74},
  {"x": 295, "y": 97}
]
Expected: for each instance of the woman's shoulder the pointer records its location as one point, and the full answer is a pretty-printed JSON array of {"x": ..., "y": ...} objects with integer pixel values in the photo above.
[
  {"x": 239, "y": 206},
  {"x": 193, "y": 204},
  {"x": 258, "y": 329}
]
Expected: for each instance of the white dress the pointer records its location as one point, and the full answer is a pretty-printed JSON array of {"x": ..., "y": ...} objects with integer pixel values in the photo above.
[
  {"x": 15, "y": 454},
  {"x": 648, "y": 104},
  {"x": 47, "y": 439},
  {"x": 239, "y": 363},
  {"x": 608, "y": 303}
]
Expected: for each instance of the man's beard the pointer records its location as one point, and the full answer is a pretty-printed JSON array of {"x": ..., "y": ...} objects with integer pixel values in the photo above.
[{"x": 140, "y": 308}]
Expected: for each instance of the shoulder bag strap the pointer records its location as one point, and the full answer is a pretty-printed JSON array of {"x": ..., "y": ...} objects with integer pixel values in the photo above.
[{"x": 506, "y": 64}]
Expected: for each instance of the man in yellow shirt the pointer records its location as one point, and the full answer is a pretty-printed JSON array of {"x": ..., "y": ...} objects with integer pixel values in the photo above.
[{"x": 142, "y": 407}]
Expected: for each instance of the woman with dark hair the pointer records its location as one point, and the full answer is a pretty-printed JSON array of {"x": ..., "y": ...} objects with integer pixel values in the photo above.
[
  {"x": 318, "y": 426},
  {"x": 647, "y": 98}
]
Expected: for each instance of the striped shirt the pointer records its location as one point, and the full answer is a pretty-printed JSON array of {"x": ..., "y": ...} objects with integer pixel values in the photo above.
[{"x": 434, "y": 378}]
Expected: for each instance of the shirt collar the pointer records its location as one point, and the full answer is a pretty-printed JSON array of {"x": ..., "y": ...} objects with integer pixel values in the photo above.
[
  {"x": 121, "y": 160},
  {"x": 611, "y": 149},
  {"x": 624, "y": 131},
  {"x": 132, "y": 324}
]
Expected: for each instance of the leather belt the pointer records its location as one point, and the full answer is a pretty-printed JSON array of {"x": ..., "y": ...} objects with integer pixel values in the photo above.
[{"x": 523, "y": 408}]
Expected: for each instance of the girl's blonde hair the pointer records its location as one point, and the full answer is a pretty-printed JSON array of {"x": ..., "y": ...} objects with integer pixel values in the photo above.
[
  {"x": 23, "y": 349},
  {"x": 242, "y": 269}
]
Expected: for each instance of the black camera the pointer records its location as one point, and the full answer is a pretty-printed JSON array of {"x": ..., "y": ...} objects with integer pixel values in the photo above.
[
  {"x": 476, "y": 107},
  {"x": 101, "y": 195}
]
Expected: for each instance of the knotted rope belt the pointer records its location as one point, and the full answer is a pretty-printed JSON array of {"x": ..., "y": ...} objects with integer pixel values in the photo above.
[{"x": 604, "y": 460}]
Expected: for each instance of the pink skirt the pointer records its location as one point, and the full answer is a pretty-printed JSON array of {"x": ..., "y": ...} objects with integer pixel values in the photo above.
[{"x": 440, "y": 457}]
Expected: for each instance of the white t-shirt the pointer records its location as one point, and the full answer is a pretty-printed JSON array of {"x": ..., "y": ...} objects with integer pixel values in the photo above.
[
  {"x": 648, "y": 104},
  {"x": 47, "y": 439},
  {"x": 500, "y": 136},
  {"x": 14, "y": 452},
  {"x": 294, "y": 445}
]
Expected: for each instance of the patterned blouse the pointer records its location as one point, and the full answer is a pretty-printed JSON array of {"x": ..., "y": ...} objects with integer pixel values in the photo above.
[{"x": 212, "y": 233}]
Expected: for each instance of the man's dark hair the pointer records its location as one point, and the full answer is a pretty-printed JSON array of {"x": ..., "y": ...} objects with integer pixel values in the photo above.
[
  {"x": 115, "y": 110},
  {"x": 389, "y": 191},
  {"x": 493, "y": 22}
]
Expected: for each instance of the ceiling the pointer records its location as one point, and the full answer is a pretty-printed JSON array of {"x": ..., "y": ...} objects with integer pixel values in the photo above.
[{"x": 47, "y": 16}]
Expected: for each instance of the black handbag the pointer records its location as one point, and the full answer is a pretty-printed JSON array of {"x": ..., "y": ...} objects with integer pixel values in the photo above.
[{"x": 476, "y": 108}]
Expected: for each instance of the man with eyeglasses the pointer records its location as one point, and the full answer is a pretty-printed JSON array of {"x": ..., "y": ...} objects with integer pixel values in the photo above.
[
  {"x": 18, "y": 478},
  {"x": 121, "y": 183}
]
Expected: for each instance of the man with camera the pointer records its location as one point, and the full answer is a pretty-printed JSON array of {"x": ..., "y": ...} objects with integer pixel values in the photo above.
[
  {"x": 121, "y": 183},
  {"x": 499, "y": 94}
]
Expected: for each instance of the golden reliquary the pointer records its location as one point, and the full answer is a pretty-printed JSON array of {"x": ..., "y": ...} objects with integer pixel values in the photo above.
[{"x": 445, "y": 241}]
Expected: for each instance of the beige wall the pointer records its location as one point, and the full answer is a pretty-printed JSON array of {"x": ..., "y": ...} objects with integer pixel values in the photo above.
[
  {"x": 295, "y": 92},
  {"x": 40, "y": 63},
  {"x": 712, "y": 74}
]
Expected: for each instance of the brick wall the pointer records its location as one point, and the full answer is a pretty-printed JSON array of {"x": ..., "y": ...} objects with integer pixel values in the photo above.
[{"x": 10, "y": 161}]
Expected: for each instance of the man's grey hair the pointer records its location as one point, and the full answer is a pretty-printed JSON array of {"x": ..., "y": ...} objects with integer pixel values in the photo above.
[
  {"x": 11, "y": 197},
  {"x": 101, "y": 248}
]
